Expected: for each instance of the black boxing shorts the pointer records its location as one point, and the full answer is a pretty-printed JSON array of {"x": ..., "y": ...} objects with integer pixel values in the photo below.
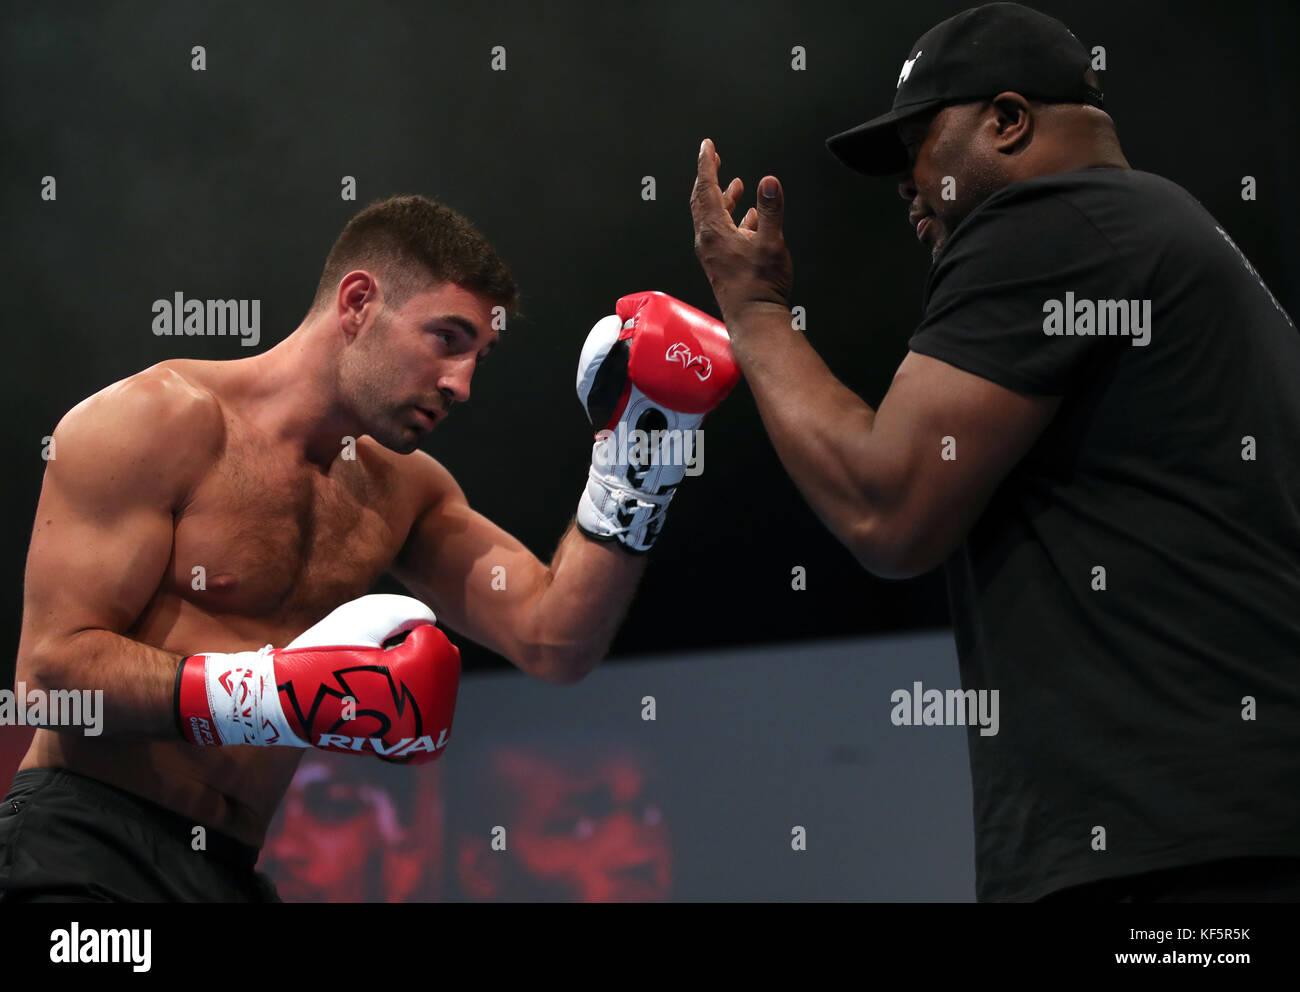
[{"x": 68, "y": 838}]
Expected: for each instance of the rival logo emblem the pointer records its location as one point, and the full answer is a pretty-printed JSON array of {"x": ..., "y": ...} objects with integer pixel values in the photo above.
[
  {"x": 403, "y": 748},
  {"x": 907, "y": 69},
  {"x": 699, "y": 364}
]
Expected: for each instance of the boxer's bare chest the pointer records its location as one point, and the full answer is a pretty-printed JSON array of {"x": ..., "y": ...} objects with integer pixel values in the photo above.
[{"x": 267, "y": 536}]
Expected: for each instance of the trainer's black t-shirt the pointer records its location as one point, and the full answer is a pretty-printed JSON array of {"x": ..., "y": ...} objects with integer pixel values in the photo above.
[{"x": 1133, "y": 587}]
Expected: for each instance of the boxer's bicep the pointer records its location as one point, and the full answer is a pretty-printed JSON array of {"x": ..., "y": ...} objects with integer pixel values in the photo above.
[
  {"x": 104, "y": 527},
  {"x": 479, "y": 580},
  {"x": 94, "y": 561},
  {"x": 950, "y": 438}
]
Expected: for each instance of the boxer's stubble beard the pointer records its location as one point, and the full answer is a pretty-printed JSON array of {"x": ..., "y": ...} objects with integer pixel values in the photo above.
[{"x": 367, "y": 379}]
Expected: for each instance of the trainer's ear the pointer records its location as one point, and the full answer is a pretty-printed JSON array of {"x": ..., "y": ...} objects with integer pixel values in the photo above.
[{"x": 1013, "y": 119}]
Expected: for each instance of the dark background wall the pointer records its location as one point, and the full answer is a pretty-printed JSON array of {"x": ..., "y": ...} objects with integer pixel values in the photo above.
[{"x": 225, "y": 184}]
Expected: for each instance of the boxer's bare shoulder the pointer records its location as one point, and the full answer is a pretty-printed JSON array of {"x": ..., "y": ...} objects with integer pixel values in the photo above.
[
  {"x": 430, "y": 481},
  {"x": 157, "y": 432}
]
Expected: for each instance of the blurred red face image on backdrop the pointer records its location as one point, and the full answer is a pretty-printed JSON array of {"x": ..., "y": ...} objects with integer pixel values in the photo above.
[
  {"x": 349, "y": 831},
  {"x": 578, "y": 829}
]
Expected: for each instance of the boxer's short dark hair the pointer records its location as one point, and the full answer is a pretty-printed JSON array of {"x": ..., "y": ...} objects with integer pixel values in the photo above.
[{"x": 413, "y": 242}]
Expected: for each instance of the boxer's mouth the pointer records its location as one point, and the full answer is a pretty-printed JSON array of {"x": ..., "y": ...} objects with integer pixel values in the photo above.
[{"x": 429, "y": 417}]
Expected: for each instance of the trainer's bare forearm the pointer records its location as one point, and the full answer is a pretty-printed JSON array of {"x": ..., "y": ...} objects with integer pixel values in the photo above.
[
  {"x": 138, "y": 681},
  {"x": 583, "y": 605},
  {"x": 820, "y": 428}
]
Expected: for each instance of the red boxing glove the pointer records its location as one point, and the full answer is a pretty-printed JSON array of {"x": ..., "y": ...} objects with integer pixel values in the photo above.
[
  {"x": 647, "y": 376},
  {"x": 678, "y": 356},
  {"x": 335, "y": 687}
]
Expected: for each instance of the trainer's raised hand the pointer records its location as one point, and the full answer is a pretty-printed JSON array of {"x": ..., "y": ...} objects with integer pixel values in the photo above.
[{"x": 748, "y": 264}]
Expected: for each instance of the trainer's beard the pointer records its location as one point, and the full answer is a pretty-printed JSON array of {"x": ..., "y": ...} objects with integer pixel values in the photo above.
[
  {"x": 945, "y": 227},
  {"x": 938, "y": 245},
  {"x": 980, "y": 185}
]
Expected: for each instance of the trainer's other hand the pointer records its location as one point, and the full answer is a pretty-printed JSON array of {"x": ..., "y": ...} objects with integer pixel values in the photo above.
[{"x": 748, "y": 263}]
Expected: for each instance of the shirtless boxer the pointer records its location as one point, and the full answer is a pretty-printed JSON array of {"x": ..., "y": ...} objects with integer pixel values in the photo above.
[{"x": 292, "y": 479}]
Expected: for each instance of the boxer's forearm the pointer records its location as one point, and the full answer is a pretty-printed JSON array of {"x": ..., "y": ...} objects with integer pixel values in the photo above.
[
  {"x": 821, "y": 429},
  {"x": 138, "y": 681},
  {"x": 590, "y": 587}
]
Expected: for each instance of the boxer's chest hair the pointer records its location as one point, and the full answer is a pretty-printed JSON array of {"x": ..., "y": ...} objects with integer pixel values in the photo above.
[{"x": 275, "y": 539}]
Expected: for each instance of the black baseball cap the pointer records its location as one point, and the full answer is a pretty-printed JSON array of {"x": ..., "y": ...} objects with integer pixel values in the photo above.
[{"x": 973, "y": 55}]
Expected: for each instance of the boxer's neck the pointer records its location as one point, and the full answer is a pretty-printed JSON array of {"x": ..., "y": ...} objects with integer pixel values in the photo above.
[{"x": 292, "y": 393}]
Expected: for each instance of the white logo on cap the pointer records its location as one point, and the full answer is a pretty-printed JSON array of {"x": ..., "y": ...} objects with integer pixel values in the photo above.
[{"x": 907, "y": 69}]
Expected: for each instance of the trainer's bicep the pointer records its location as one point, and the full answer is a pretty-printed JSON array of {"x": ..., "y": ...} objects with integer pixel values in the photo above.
[{"x": 954, "y": 436}]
